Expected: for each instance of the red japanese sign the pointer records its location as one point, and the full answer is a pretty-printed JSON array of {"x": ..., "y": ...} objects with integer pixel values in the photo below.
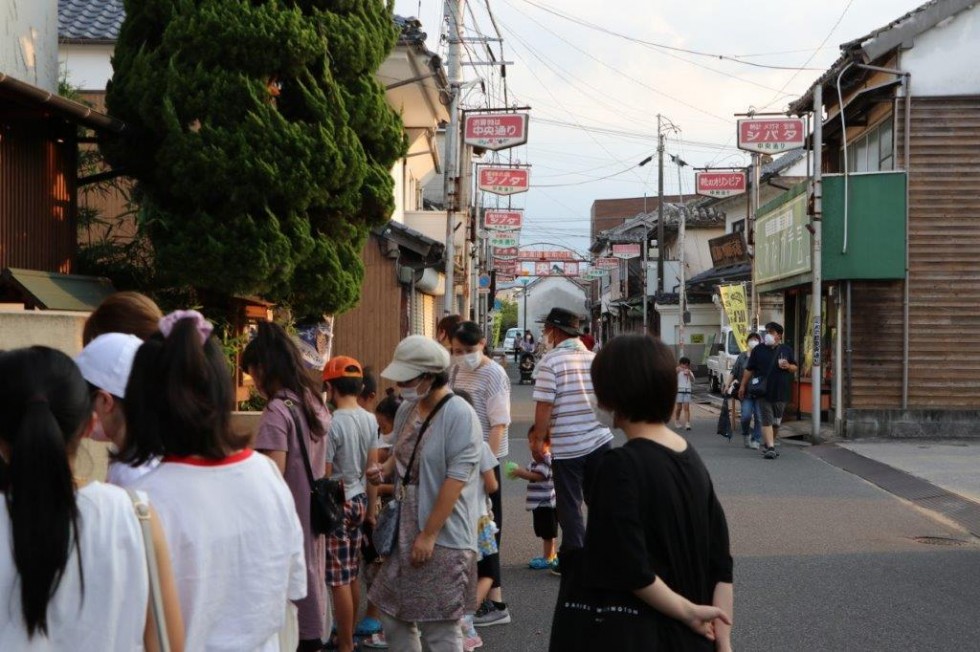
[
  {"x": 504, "y": 181},
  {"x": 720, "y": 184},
  {"x": 505, "y": 253},
  {"x": 545, "y": 255},
  {"x": 556, "y": 268},
  {"x": 606, "y": 263},
  {"x": 503, "y": 220},
  {"x": 505, "y": 266},
  {"x": 495, "y": 130},
  {"x": 505, "y": 278},
  {"x": 770, "y": 135},
  {"x": 626, "y": 251}
]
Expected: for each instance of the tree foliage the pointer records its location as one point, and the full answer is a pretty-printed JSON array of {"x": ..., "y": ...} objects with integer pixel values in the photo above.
[{"x": 260, "y": 140}]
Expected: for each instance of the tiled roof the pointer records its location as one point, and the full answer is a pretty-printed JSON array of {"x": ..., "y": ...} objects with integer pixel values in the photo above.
[{"x": 90, "y": 20}]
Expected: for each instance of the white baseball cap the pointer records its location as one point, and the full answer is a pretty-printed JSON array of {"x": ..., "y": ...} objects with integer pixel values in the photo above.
[
  {"x": 107, "y": 361},
  {"x": 416, "y": 355}
]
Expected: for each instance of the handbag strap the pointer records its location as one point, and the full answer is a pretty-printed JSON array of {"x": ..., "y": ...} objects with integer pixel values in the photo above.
[
  {"x": 156, "y": 595},
  {"x": 288, "y": 402},
  {"x": 425, "y": 425}
]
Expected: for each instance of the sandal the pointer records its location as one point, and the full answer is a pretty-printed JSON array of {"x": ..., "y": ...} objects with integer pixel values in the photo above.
[{"x": 368, "y": 627}]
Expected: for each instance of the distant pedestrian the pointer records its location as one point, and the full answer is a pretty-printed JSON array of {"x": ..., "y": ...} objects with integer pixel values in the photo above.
[
  {"x": 751, "y": 408},
  {"x": 685, "y": 387},
  {"x": 230, "y": 519},
  {"x": 73, "y": 566},
  {"x": 429, "y": 581},
  {"x": 657, "y": 546},
  {"x": 446, "y": 328},
  {"x": 488, "y": 386},
  {"x": 353, "y": 431},
  {"x": 541, "y": 503},
  {"x": 563, "y": 413},
  {"x": 587, "y": 338},
  {"x": 771, "y": 365},
  {"x": 294, "y": 410}
]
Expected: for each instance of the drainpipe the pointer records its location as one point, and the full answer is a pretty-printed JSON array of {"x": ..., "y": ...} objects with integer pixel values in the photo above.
[
  {"x": 843, "y": 137},
  {"x": 907, "y": 150}
]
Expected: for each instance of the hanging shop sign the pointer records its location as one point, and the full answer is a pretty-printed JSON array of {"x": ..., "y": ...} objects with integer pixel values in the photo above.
[
  {"x": 495, "y": 130},
  {"x": 505, "y": 266},
  {"x": 504, "y": 181},
  {"x": 727, "y": 250},
  {"x": 770, "y": 135},
  {"x": 505, "y": 278},
  {"x": 542, "y": 256},
  {"x": 556, "y": 268},
  {"x": 782, "y": 242},
  {"x": 720, "y": 184},
  {"x": 503, "y": 220},
  {"x": 737, "y": 311},
  {"x": 626, "y": 251},
  {"x": 606, "y": 263},
  {"x": 505, "y": 253}
]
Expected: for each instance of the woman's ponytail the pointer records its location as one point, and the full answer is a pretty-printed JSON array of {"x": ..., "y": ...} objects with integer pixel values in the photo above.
[{"x": 45, "y": 403}]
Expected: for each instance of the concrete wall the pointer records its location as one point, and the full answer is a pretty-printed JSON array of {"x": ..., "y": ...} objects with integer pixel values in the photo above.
[
  {"x": 546, "y": 294},
  {"x": 29, "y": 41},
  {"x": 59, "y": 330},
  {"x": 943, "y": 60},
  {"x": 87, "y": 67},
  {"x": 705, "y": 322},
  {"x": 913, "y": 424}
]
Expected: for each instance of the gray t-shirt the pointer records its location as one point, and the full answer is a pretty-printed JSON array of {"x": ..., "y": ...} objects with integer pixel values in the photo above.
[{"x": 352, "y": 433}]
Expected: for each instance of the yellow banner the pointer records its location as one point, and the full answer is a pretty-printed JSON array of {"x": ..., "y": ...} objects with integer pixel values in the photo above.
[{"x": 737, "y": 309}]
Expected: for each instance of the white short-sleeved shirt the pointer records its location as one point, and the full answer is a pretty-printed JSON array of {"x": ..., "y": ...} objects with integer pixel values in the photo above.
[
  {"x": 111, "y": 616},
  {"x": 124, "y": 475},
  {"x": 489, "y": 387},
  {"x": 352, "y": 434},
  {"x": 237, "y": 548},
  {"x": 564, "y": 379}
]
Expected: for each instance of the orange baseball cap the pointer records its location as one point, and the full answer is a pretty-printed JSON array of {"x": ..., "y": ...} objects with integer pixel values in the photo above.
[{"x": 342, "y": 366}]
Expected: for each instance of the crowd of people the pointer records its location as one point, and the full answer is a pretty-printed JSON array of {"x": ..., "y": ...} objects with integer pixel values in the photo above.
[{"x": 205, "y": 538}]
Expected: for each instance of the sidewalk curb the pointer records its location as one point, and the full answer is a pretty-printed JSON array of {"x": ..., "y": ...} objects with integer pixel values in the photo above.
[{"x": 963, "y": 511}]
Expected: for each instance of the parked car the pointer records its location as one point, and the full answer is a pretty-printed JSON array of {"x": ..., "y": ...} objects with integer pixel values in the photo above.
[
  {"x": 512, "y": 339},
  {"x": 722, "y": 358}
]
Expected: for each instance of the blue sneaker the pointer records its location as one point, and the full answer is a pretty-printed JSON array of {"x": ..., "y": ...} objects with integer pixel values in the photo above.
[
  {"x": 539, "y": 563},
  {"x": 368, "y": 627}
]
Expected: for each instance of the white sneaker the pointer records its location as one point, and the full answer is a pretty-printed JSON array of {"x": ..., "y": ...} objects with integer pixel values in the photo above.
[{"x": 754, "y": 445}]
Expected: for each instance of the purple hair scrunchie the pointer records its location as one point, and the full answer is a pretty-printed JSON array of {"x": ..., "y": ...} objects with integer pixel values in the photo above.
[{"x": 203, "y": 326}]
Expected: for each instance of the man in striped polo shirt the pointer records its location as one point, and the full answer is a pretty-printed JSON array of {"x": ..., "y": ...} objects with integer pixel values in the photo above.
[{"x": 564, "y": 408}]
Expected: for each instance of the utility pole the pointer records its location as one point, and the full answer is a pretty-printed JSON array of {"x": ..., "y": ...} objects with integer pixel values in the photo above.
[
  {"x": 682, "y": 259},
  {"x": 661, "y": 249},
  {"x": 754, "y": 208},
  {"x": 453, "y": 14},
  {"x": 816, "y": 259}
]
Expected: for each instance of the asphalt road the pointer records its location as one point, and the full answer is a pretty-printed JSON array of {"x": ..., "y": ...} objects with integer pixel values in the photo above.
[{"x": 823, "y": 559}]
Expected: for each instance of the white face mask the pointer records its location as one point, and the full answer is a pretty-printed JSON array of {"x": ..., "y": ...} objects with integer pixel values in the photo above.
[
  {"x": 770, "y": 340},
  {"x": 753, "y": 344},
  {"x": 469, "y": 361},
  {"x": 413, "y": 394},
  {"x": 606, "y": 418}
]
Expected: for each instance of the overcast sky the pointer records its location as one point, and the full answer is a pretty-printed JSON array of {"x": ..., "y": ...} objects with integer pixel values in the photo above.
[{"x": 607, "y": 90}]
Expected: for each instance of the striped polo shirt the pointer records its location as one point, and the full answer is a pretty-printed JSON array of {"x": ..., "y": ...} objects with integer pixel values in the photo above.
[
  {"x": 541, "y": 494},
  {"x": 564, "y": 380},
  {"x": 489, "y": 387}
]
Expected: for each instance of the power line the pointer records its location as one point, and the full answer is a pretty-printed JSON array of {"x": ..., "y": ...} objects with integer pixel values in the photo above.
[{"x": 658, "y": 46}]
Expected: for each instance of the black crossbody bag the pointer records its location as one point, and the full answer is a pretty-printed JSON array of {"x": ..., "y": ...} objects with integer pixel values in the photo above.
[
  {"x": 385, "y": 535},
  {"x": 326, "y": 494},
  {"x": 758, "y": 387}
]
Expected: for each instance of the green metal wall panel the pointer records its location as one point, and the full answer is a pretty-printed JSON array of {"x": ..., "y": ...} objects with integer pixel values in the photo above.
[{"x": 876, "y": 227}]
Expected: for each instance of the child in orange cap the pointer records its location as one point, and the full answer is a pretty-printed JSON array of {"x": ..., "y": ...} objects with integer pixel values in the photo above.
[{"x": 352, "y": 433}]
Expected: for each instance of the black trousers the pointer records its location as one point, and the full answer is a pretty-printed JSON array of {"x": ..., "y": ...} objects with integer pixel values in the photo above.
[
  {"x": 498, "y": 518},
  {"x": 570, "y": 478}
]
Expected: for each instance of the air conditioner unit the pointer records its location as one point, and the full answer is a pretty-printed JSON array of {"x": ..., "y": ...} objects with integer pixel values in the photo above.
[{"x": 431, "y": 282}]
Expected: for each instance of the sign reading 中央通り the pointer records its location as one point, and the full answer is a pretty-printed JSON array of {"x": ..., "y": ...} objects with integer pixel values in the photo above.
[
  {"x": 728, "y": 249},
  {"x": 737, "y": 311},
  {"x": 770, "y": 135},
  {"x": 720, "y": 184},
  {"x": 503, "y": 240},
  {"x": 505, "y": 253},
  {"x": 504, "y": 181},
  {"x": 536, "y": 256},
  {"x": 495, "y": 130},
  {"x": 503, "y": 220},
  {"x": 782, "y": 242},
  {"x": 626, "y": 251}
]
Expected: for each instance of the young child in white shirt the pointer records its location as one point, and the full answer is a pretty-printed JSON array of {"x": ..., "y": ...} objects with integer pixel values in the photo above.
[{"x": 685, "y": 386}]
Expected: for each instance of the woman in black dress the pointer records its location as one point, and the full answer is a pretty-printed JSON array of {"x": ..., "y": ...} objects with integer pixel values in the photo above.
[{"x": 656, "y": 548}]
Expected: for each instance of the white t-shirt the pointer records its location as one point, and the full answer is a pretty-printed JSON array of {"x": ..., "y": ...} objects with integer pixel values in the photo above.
[
  {"x": 125, "y": 476},
  {"x": 488, "y": 461},
  {"x": 237, "y": 548},
  {"x": 111, "y": 616},
  {"x": 489, "y": 387}
]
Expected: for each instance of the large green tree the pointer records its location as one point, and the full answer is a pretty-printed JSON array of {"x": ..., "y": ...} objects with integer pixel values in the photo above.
[{"x": 260, "y": 141}]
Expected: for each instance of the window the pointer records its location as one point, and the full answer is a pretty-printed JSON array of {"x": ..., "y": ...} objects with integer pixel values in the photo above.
[
  {"x": 733, "y": 344},
  {"x": 872, "y": 151},
  {"x": 738, "y": 226}
]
